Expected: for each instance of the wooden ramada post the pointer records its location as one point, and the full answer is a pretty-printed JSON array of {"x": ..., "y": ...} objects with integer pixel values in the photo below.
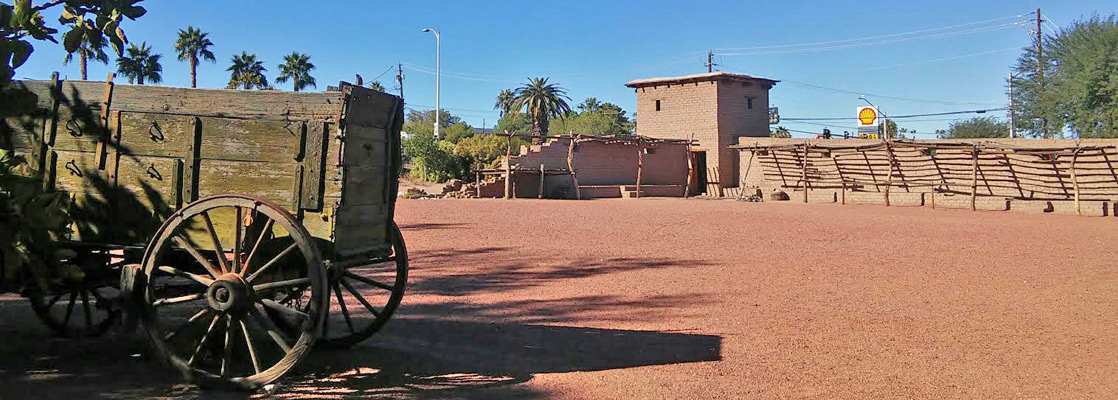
[
  {"x": 640, "y": 165},
  {"x": 508, "y": 165},
  {"x": 974, "y": 178}
]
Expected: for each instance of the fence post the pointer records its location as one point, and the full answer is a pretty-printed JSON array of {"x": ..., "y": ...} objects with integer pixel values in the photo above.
[
  {"x": 508, "y": 165},
  {"x": 539, "y": 194},
  {"x": 1074, "y": 181},
  {"x": 889, "y": 179},
  {"x": 974, "y": 178},
  {"x": 804, "y": 176}
]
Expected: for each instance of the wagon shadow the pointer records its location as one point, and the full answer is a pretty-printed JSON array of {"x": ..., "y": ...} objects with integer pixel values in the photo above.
[{"x": 439, "y": 358}]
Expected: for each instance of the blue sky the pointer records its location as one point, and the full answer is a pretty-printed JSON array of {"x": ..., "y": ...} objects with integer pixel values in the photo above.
[{"x": 593, "y": 48}]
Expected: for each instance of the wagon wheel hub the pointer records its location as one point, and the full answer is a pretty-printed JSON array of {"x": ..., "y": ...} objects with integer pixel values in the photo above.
[{"x": 230, "y": 292}]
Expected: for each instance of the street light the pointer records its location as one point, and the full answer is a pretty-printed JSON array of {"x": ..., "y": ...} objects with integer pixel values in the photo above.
[
  {"x": 884, "y": 118},
  {"x": 438, "y": 46}
]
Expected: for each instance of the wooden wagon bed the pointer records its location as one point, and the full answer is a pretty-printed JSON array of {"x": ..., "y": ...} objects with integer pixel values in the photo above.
[{"x": 129, "y": 153}]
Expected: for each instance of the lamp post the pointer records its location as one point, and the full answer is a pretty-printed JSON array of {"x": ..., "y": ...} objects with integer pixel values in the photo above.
[
  {"x": 438, "y": 50},
  {"x": 884, "y": 118}
]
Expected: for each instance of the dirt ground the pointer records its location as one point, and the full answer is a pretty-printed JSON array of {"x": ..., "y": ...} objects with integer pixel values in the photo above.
[{"x": 688, "y": 299}]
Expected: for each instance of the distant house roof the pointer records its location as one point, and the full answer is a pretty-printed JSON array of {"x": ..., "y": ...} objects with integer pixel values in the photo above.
[{"x": 703, "y": 77}]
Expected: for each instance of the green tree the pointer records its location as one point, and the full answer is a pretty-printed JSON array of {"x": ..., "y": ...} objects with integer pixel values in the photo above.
[
  {"x": 595, "y": 118},
  {"x": 247, "y": 72},
  {"x": 780, "y": 132},
  {"x": 505, "y": 101},
  {"x": 973, "y": 128},
  {"x": 1085, "y": 83},
  {"x": 1079, "y": 87},
  {"x": 514, "y": 123},
  {"x": 543, "y": 101},
  {"x": 140, "y": 64},
  {"x": 376, "y": 85},
  {"x": 193, "y": 45},
  {"x": 297, "y": 67},
  {"x": 91, "y": 47},
  {"x": 21, "y": 21}
]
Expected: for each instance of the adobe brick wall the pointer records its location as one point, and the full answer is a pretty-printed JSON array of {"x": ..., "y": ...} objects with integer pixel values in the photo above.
[
  {"x": 752, "y": 175},
  {"x": 716, "y": 112},
  {"x": 598, "y": 163}
]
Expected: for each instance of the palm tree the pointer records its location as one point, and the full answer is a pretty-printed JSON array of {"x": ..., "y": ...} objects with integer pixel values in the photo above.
[
  {"x": 296, "y": 67},
  {"x": 591, "y": 104},
  {"x": 247, "y": 72},
  {"x": 505, "y": 100},
  {"x": 543, "y": 100},
  {"x": 140, "y": 64},
  {"x": 88, "y": 50},
  {"x": 377, "y": 86},
  {"x": 193, "y": 45}
]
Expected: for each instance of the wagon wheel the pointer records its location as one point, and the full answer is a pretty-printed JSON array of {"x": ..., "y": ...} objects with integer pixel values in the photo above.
[
  {"x": 77, "y": 310},
  {"x": 202, "y": 302},
  {"x": 362, "y": 297}
]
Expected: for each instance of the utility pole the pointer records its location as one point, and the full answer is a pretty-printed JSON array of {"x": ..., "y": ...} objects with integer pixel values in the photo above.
[
  {"x": 1040, "y": 70},
  {"x": 1012, "y": 124},
  {"x": 710, "y": 61},
  {"x": 400, "y": 78}
]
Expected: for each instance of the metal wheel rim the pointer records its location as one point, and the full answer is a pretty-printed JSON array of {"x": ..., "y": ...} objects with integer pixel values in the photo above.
[
  {"x": 350, "y": 281},
  {"x": 244, "y": 274}
]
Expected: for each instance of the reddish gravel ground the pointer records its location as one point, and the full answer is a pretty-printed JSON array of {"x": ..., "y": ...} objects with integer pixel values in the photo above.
[{"x": 692, "y": 299}]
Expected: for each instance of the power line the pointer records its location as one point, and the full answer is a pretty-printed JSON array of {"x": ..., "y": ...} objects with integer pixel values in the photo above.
[
  {"x": 382, "y": 73},
  {"x": 898, "y": 116},
  {"x": 942, "y": 59},
  {"x": 877, "y": 43},
  {"x": 884, "y": 96},
  {"x": 1019, "y": 16}
]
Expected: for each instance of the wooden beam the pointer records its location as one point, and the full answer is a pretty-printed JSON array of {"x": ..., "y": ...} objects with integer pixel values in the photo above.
[
  {"x": 690, "y": 168},
  {"x": 640, "y": 166},
  {"x": 571, "y": 164},
  {"x": 804, "y": 171},
  {"x": 539, "y": 193},
  {"x": 892, "y": 164},
  {"x": 974, "y": 178},
  {"x": 105, "y": 102},
  {"x": 1075, "y": 181},
  {"x": 508, "y": 166}
]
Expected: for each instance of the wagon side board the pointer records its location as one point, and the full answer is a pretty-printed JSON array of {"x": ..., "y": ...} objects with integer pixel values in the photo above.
[{"x": 131, "y": 155}]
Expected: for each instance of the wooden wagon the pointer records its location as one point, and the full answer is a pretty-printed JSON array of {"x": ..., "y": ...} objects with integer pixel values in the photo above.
[{"x": 243, "y": 226}]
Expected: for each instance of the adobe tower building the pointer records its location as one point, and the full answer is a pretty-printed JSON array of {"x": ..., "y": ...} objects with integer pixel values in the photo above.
[{"x": 717, "y": 107}]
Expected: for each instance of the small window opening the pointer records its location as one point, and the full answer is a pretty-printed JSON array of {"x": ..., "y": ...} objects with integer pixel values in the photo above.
[
  {"x": 749, "y": 102},
  {"x": 657, "y": 105}
]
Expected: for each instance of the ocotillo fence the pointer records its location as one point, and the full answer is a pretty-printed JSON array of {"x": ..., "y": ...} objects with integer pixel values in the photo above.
[{"x": 977, "y": 169}]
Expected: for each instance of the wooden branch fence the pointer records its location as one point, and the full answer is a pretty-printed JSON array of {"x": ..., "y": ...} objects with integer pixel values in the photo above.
[{"x": 974, "y": 169}]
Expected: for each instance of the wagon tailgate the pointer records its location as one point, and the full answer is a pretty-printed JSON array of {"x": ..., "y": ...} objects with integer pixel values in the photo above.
[{"x": 370, "y": 152}]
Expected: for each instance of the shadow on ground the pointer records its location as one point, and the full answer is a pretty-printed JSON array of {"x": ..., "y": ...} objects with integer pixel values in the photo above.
[{"x": 438, "y": 350}]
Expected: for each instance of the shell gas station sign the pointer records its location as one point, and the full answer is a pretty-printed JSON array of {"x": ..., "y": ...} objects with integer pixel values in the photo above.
[
  {"x": 868, "y": 120},
  {"x": 867, "y": 116}
]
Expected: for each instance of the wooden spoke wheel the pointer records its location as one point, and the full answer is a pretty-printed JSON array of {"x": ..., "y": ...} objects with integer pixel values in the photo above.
[
  {"x": 79, "y": 309},
  {"x": 364, "y": 297},
  {"x": 211, "y": 273}
]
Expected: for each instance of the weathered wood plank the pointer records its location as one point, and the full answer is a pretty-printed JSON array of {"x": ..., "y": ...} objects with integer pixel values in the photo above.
[
  {"x": 273, "y": 181},
  {"x": 369, "y": 108},
  {"x": 314, "y": 165},
  {"x": 250, "y": 140},
  {"x": 155, "y": 134},
  {"x": 203, "y": 102},
  {"x": 364, "y": 185},
  {"x": 149, "y": 180},
  {"x": 360, "y": 229},
  {"x": 365, "y": 153}
]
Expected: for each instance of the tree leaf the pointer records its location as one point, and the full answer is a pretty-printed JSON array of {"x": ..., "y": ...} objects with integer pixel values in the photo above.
[
  {"x": 72, "y": 40},
  {"x": 134, "y": 12},
  {"x": 21, "y": 14},
  {"x": 21, "y": 49}
]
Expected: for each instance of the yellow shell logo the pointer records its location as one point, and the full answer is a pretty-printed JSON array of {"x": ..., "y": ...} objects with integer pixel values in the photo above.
[{"x": 867, "y": 116}]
